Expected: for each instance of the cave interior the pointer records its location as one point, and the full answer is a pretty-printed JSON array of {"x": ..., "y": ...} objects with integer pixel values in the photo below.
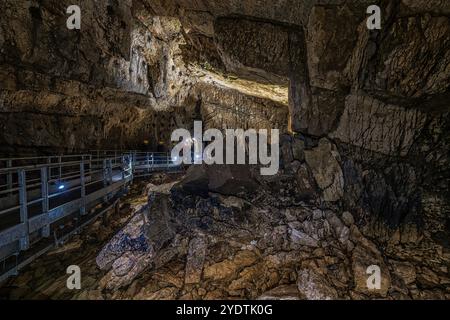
[{"x": 364, "y": 141}]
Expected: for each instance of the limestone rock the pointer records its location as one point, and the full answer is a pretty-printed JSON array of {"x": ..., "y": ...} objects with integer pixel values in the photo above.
[
  {"x": 298, "y": 147},
  {"x": 286, "y": 151},
  {"x": 362, "y": 258},
  {"x": 128, "y": 239},
  {"x": 299, "y": 238},
  {"x": 284, "y": 292},
  {"x": 314, "y": 286},
  {"x": 374, "y": 125},
  {"x": 305, "y": 182},
  {"x": 404, "y": 271},
  {"x": 196, "y": 180},
  {"x": 233, "y": 202},
  {"x": 226, "y": 269},
  {"x": 231, "y": 179},
  {"x": 347, "y": 218},
  {"x": 324, "y": 164},
  {"x": 223, "y": 179},
  {"x": 160, "y": 189},
  {"x": 195, "y": 260}
]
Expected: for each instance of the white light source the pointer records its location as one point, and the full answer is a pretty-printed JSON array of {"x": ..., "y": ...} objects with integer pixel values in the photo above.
[
  {"x": 61, "y": 186},
  {"x": 174, "y": 159}
]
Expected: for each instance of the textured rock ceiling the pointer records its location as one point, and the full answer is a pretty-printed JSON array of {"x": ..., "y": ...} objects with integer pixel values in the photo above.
[{"x": 316, "y": 57}]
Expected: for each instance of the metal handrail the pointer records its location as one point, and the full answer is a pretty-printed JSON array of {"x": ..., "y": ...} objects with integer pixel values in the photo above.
[
  {"x": 129, "y": 162},
  {"x": 73, "y": 186},
  {"x": 43, "y": 194},
  {"x": 46, "y": 157}
]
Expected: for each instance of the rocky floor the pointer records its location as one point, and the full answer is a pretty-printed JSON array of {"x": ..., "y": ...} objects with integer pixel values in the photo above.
[{"x": 250, "y": 246}]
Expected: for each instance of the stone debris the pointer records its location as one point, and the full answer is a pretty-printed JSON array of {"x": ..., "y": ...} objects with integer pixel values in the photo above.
[{"x": 195, "y": 260}]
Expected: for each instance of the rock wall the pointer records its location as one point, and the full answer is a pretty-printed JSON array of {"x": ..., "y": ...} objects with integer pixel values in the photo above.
[
  {"x": 124, "y": 81},
  {"x": 66, "y": 90},
  {"x": 377, "y": 99}
]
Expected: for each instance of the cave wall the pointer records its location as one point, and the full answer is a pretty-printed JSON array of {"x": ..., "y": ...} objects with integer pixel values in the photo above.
[
  {"x": 369, "y": 108},
  {"x": 393, "y": 110},
  {"x": 115, "y": 84},
  {"x": 121, "y": 82},
  {"x": 64, "y": 90}
]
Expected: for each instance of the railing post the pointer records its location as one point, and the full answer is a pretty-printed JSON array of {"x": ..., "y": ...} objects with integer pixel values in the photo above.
[
  {"x": 49, "y": 172},
  {"x": 110, "y": 172},
  {"x": 82, "y": 189},
  {"x": 90, "y": 166},
  {"x": 24, "y": 241},
  {"x": 59, "y": 166},
  {"x": 44, "y": 195},
  {"x": 123, "y": 167},
  {"x": 131, "y": 167},
  {"x": 104, "y": 173},
  {"x": 105, "y": 182},
  {"x": 9, "y": 182}
]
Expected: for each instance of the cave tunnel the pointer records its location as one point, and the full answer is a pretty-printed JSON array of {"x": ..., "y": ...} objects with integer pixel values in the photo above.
[{"x": 216, "y": 150}]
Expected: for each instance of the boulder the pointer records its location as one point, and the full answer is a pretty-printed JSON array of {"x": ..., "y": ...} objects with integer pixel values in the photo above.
[
  {"x": 195, "y": 260},
  {"x": 299, "y": 238},
  {"x": 226, "y": 269},
  {"x": 283, "y": 292},
  {"x": 362, "y": 258},
  {"x": 160, "y": 188},
  {"x": 305, "y": 183},
  {"x": 298, "y": 147},
  {"x": 158, "y": 228},
  {"x": 314, "y": 286},
  {"x": 404, "y": 270},
  {"x": 195, "y": 181},
  {"x": 347, "y": 218},
  {"x": 324, "y": 164},
  {"x": 231, "y": 179},
  {"x": 223, "y": 179}
]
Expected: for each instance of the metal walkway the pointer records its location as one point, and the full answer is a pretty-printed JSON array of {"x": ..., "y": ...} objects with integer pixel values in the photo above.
[{"x": 44, "y": 200}]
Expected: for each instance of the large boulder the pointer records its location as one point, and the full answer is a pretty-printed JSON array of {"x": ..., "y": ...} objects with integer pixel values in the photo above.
[
  {"x": 231, "y": 179},
  {"x": 224, "y": 179},
  {"x": 324, "y": 164},
  {"x": 138, "y": 244},
  {"x": 195, "y": 181},
  {"x": 195, "y": 260},
  {"x": 362, "y": 259},
  {"x": 315, "y": 286}
]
